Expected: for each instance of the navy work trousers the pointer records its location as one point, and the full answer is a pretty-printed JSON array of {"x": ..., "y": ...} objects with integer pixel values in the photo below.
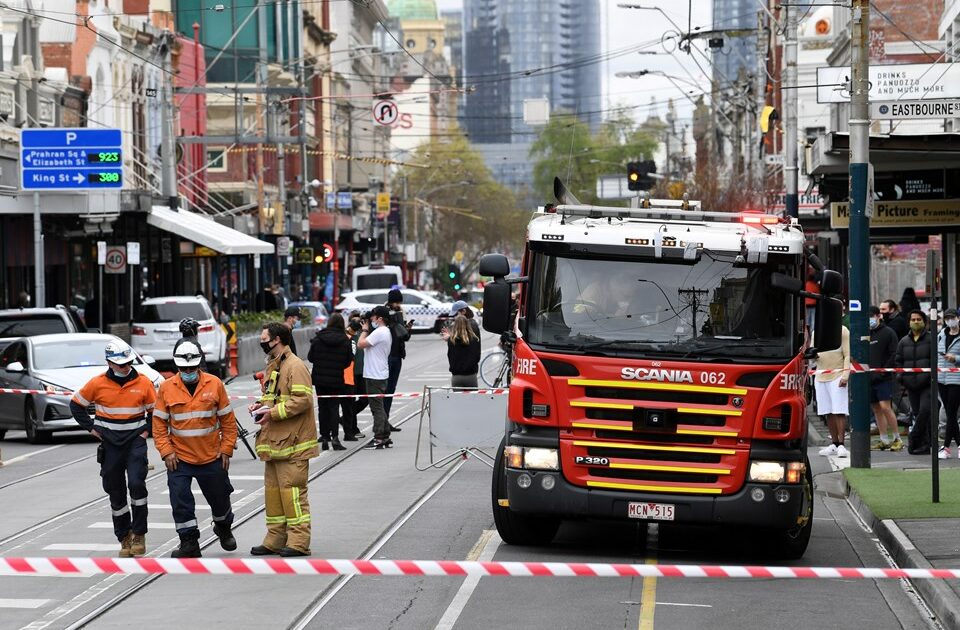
[
  {"x": 124, "y": 467},
  {"x": 215, "y": 485}
]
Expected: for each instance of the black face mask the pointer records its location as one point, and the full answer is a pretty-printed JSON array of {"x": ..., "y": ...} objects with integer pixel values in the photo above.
[{"x": 266, "y": 347}]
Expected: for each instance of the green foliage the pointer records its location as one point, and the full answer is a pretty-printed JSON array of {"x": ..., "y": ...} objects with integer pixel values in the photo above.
[
  {"x": 566, "y": 149},
  {"x": 251, "y": 322}
]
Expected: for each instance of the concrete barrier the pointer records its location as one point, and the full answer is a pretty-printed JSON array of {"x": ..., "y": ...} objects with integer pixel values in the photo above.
[{"x": 250, "y": 354}]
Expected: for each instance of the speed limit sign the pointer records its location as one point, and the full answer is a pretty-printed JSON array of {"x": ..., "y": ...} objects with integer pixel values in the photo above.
[
  {"x": 385, "y": 112},
  {"x": 116, "y": 261}
]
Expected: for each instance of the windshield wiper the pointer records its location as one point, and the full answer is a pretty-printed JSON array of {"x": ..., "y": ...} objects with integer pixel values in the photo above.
[{"x": 708, "y": 348}]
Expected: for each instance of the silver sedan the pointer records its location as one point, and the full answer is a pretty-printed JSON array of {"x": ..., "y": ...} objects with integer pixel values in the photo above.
[{"x": 56, "y": 365}]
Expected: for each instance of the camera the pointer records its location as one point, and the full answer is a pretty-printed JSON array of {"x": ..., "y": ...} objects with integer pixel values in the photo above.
[{"x": 366, "y": 316}]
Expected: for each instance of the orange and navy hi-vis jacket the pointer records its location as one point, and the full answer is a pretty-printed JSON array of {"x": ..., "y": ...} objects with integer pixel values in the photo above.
[
  {"x": 291, "y": 432},
  {"x": 197, "y": 427},
  {"x": 120, "y": 411}
]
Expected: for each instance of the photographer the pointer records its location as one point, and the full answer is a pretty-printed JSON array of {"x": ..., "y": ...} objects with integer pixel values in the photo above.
[
  {"x": 190, "y": 330},
  {"x": 375, "y": 341},
  {"x": 400, "y": 332}
]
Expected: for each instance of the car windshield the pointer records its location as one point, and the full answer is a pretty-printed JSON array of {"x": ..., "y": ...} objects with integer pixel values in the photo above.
[
  {"x": 32, "y": 325},
  {"x": 171, "y": 312},
  {"x": 384, "y": 280},
  {"x": 73, "y": 353},
  {"x": 710, "y": 307}
]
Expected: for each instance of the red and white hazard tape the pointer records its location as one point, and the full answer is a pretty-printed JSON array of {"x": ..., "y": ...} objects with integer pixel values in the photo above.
[
  {"x": 454, "y": 568},
  {"x": 854, "y": 369},
  {"x": 491, "y": 392}
]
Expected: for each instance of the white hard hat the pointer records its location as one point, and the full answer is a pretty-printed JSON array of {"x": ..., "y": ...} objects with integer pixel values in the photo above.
[
  {"x": 119, "y": 352},
  {"x": 187, "y": 354}
]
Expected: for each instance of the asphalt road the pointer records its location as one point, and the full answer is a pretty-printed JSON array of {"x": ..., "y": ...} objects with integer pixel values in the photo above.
[{"x": 376, "y": 504}]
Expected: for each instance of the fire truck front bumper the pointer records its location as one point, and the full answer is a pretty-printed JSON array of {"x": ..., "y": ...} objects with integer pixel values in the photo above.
[{"x": 529, "y": 492}]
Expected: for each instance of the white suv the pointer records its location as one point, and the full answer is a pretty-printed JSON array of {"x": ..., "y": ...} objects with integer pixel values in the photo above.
[{"x": 157, "y": 328}]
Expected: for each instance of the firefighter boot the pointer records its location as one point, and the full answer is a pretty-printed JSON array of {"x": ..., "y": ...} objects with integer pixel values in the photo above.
[
  {"x": 125, "y": 546},
  {"x": 189, "y": 546},
  {"x": 138, "y": 544},
  {"x": 223, "y": 532}
]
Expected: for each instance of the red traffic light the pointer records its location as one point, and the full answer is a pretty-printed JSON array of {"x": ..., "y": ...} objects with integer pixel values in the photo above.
[{"x": 327, "y": 252}]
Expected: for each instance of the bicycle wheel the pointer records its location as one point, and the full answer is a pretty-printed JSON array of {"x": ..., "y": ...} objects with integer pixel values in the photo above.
[{"x": 490, "y": 367}]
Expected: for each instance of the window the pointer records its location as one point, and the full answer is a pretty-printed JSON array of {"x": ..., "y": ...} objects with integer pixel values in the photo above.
[
  {"x": 29, "y": 325},
  {"x": 411, "y": 43},
  {"x": 217, "y": 160},
  {"x": 172, "y": 312},
  {"x": 412, "y": 299}
]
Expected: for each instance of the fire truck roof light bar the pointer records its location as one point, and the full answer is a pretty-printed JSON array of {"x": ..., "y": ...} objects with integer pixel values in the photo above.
[{"x": 668, "y": 209}]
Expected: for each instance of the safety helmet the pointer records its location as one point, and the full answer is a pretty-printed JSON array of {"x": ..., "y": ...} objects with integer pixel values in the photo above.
[
  {"x": 189, "y": 327},
  {"x": 187, "y": 354},
  {"x": 119, "y": 352}
]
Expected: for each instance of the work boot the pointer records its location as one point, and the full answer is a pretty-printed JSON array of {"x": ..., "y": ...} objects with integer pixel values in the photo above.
[
  {"x": 138, "y": 544},
  {"x": 263, "y": 550},
  {"x": 290, "y": 552},
  {"x": 337, "y": 446},
  {"x": 125, "y": 546},
  {"x": 224, "y": 533},
  {"x": 189, "y": 546}
]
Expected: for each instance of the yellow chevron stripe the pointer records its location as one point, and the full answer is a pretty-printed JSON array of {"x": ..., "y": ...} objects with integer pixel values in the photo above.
[
  {"x": 710, "y": 412},
  {"x": 611, "y": 427},
  {"x": 651, "y": 488},
  {"x": 686, "y": 469},
  {"x": 599, "y": 405},
  {"x": 651, "y": 447},
  {"x": 671, "y": 387},
  {"x": 706, "y": 432}
]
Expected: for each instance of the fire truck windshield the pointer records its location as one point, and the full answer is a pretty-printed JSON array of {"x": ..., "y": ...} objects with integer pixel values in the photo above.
[{"x": 715, "y": 307}]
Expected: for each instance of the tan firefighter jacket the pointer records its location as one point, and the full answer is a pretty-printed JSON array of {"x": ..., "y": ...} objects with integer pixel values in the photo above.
[{"x": 291, "y": 433}]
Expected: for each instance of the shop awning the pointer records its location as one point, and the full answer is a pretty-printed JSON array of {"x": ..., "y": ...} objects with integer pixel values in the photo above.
[{"x": 207, "y": 232}]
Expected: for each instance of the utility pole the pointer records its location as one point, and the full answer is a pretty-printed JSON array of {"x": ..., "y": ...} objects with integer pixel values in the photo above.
[
  {"x": 168, "y": 150},
  {"x": 261, "y": 84},
  {"x": 859, "y": 260},
  {"x": 759, "y": 169},
  {"x": 790, "y": 107}
]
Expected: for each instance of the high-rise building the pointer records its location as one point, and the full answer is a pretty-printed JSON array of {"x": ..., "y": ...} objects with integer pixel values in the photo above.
[{"x": 739, "y": 51}]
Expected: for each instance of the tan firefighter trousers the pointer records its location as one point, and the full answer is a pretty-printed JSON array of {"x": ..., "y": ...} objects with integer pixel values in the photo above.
[{"x": 288, "y": 510}]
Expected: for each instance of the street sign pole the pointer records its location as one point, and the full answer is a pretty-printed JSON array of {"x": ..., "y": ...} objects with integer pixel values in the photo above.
[{"x": 39, "y": 277}]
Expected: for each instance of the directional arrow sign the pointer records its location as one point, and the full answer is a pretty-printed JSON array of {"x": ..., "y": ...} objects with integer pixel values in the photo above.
[{"x": 70, "y": 159}]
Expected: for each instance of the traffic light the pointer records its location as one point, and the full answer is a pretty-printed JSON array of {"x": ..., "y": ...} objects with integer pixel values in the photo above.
[
  {"x": 638, "y": 175},
  {"x": 453, "y": 273},
  {"x": 633, "y": 175}
]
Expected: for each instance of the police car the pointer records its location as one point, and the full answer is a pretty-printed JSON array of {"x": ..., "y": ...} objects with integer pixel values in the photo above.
[{"x": 417, "y": 305}]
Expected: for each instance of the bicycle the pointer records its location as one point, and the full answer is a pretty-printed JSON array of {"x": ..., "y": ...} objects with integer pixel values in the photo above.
[{"x": 495, "y": 367}]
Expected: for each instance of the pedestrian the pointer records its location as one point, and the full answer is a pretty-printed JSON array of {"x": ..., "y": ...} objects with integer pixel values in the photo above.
[
  {"x": 830, "y": 385},
  {"x": 914, "y": 351},
  {"x": 291, "y": 318},
  {"x": 376, "y": 341},
  {"x": 463, "y": 354},
  {"x": 123, "y": 401},
  {"x": 348, "y": 419},
  {"x": 948, "y": 356},
  {"x": 286, "y": 442},
  {"x": 195, "y": 432},
  {"x": 361, "y": 401},
  {"x": 400, "y": 330},
  {"x": 330, "y": 354},
  {"x": 883, "y": 351},
  {"x": 909, "y": 301},
  {"x": 893, "y": 318},
  {"x": 462, "y": 309}
]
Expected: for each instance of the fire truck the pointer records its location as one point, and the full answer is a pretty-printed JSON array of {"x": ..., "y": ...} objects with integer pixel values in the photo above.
[{"x": 659, "y": 370}]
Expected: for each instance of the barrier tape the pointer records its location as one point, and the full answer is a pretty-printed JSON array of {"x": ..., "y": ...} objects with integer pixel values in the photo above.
[
  {"x": 860, "y": 368},
  {"x": 451, "y": 568},
  {"x": 494, "y": 392}
]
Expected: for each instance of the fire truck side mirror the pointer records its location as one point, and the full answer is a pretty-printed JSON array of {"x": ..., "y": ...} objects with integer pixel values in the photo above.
[
  {"x": 494, "y": 265},
  {"x": 831, "y": 283},
  {"x": 496, "y": 306},
  {"x": 827, "y": 333}
]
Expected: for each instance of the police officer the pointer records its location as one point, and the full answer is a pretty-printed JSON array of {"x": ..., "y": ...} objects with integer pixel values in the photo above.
[
  {"x": 195, "y": 431},
  {"x": 123, "y": 401}
]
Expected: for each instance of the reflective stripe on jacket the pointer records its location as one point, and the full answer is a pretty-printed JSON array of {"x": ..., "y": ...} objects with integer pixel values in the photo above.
[
  {"x": 197, "y": 427},
  {"x": 291, "y": 432},
  {"x": 120, "y": 411}
]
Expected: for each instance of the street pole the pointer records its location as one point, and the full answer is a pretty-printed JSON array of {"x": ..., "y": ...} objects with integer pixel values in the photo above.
[
  {"x": 168, "y": 149},
  {"x": 790, "y": 114},
  {"x": 859, "y": 259},
  {"x": 261, "y": 84},
  {"x": 933, "y": 287},
  {"x": 761, "y": 97},
  {"x": 39, "y": 280}
]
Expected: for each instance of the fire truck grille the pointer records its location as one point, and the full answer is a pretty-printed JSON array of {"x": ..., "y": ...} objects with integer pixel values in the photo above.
[
  {"x": 652, "y": 475},
  {"x": 661, "y": 456},
  {"x": 629, "y": 415},
  {"x": 658, "y": 438},
  {"x": 617, "y": 393}
]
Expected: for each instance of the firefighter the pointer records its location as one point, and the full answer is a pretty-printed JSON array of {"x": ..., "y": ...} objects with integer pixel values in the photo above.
[
  {"x": 286, "y": 442},
  {"x": 123, "y": 401},
  {"x": 195, "y": 431}
]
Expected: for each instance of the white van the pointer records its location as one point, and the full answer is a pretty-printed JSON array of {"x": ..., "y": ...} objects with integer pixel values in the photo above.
[{"x": 376, "y": 277}]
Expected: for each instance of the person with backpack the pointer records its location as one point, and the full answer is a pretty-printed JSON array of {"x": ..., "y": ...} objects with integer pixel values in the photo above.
[
  {"x": 400, "y": 331},
  {"x": 330, "y": 354}
]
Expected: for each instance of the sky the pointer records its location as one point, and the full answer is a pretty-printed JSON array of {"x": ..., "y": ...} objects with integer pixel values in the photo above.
[{"x": 629, "y": 27}]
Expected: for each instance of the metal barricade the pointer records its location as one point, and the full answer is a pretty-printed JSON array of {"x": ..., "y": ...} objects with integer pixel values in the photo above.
[{"x": 469, "y": 421}]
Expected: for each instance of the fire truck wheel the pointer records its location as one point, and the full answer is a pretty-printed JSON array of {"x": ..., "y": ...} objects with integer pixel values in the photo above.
[
  {"x": 517, "y": 529},
  {"x": 791, "y": 544}
]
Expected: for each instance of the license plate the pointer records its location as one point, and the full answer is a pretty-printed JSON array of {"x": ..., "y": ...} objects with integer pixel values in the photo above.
[
  {"x": 165, "y": 334},
  {"x": 651, "y": 511}
]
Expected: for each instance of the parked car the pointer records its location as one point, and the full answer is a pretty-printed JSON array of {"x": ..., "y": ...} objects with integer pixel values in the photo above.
[
  {"x": 157, "y": 328},
  {"x": 318, "y": 312},
  {"x": 25, "y": 322},
  {"x": 417, "y": 305},
  {"x": 54, "y": 363}
]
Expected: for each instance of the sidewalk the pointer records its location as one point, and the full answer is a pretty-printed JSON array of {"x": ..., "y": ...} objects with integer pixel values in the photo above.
[{"x": 894, "y": 499}]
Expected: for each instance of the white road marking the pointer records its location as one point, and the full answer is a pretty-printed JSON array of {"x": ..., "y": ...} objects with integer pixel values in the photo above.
[
  {"x": 22, "y": 603},
  {"x": 150, "y": 525},
  {"x": 20, "y": 458},
  {"x": 81, "y": 547},
  {"x": 459, "y": 602}
]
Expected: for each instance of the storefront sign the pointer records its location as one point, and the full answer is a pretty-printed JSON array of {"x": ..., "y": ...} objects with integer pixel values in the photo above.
[
  {"x": 902, "y": 214},
  {"x": 898, "y": 82}
]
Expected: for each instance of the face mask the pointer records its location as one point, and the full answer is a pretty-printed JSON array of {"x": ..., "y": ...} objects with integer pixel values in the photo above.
[
  {"x": 121, "y": 373},
  {"x": 298, "y": 324},
  {"x": 873, "y": 322},
  {"x": 374, "y": 324},
  {"x": 190, "y": 377},
  {"x": 886, "y": 315},
  {"x": 266, "y": 347},
  {"x": 916, "y": 326},
  {"x": 952, "y": 323}
]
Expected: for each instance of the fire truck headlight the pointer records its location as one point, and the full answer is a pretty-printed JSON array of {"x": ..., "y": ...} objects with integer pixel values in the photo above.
[
  {"x": 767, "y": 472},
  {"x": 541, "y": 459},
  {"x": 514, "y": 456}
]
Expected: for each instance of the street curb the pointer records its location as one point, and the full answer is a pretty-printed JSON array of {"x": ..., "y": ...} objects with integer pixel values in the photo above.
[
  {"x": 816, "y": 439},
  {"x": 941, "y": 599}
]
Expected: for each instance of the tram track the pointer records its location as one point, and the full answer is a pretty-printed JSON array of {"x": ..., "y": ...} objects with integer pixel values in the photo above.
[{"x": 47, "y": 471}]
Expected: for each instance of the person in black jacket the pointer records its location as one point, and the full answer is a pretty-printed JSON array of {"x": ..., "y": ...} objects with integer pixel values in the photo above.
[
  {"x": 330, "y": 354},
  {"x": 913, "y": 351},
  {"x": 883, "y": 352},
  {"x": 463, "y": 353},
  {"x": 893, "y": 318},
  {"x": 398, "y": 351}
]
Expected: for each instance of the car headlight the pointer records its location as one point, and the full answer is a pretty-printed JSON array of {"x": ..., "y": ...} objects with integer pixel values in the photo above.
[
  {"x": 50, "y": 388},
  {"x": 767, "y": 472},
  {"x": 541, "y": 458}
]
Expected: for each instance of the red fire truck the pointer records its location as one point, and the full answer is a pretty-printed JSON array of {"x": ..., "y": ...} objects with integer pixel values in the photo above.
[{"x": 659, "y": 370}]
